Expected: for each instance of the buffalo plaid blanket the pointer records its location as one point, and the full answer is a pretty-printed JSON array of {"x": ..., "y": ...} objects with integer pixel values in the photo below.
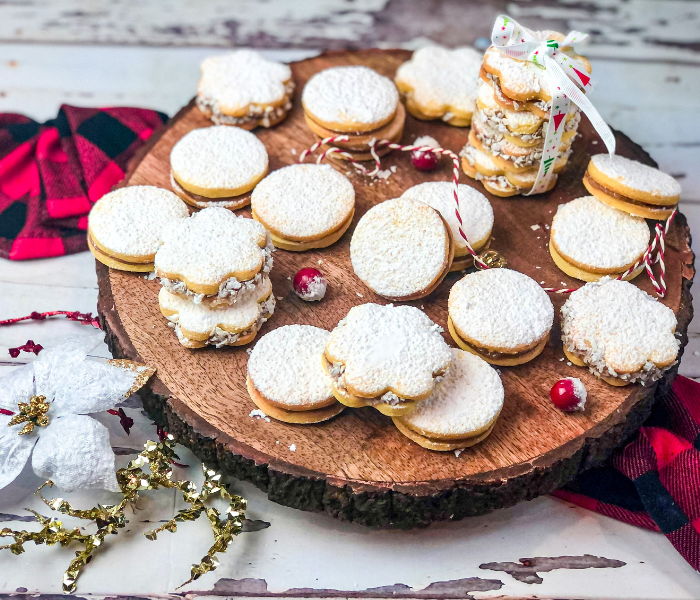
[{"x": 52, "y": 173}]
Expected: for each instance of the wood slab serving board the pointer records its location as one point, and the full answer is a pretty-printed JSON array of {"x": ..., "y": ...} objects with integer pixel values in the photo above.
[{"x": 358, "y": 467}]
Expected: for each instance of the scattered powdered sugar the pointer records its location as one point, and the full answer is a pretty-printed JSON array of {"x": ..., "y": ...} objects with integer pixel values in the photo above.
[
  {"x": 594, "y": 234},
  {"x": 348, "y": 95},
  {"x": 637, "y": 176},
  {"x": 259, "y": 414},
  {"x": 300, "y": 202},
  {"x": 131, "y": 220},
  {"x": 293, "y": 447},
  {"x": 388, "y": 348},
  {"x": 619, "y": 330},
  {"x": 210, "y": 246},
  {"x": 475, "y": 209},
  {"x": 286, "y": 366},
  {"x": 440, "y": 79},
  {"x": 469, "y": 399},
  {"x": 219, "y": 158},
  {"x": 500, "y": 308},
  {"x": 399, "y": 247}
]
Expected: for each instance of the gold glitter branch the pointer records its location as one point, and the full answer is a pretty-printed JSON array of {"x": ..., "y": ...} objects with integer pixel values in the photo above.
[{"x": 109, "y": 519}]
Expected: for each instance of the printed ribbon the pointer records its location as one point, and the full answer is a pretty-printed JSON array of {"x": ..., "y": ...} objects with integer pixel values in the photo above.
[{"x": 565, "y": 75}]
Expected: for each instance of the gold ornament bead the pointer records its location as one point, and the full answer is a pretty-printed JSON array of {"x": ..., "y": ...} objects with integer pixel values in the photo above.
[{"x": 491, "y": 259}]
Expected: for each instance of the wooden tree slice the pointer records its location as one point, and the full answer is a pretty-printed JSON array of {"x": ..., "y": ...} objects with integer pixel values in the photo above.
[{"x": 358, "y": 467}]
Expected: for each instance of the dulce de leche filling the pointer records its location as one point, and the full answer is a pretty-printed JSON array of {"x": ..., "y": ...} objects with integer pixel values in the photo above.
[
  {"x": 197, "y": 197},
  {"x": 606, "y": 190},
  {"x": 101, "y": 252}
]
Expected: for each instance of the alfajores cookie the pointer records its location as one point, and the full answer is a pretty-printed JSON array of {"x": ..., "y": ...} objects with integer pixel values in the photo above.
[
  {"x": 402, "y": 249},
  {"x": 244, "y": 89},
  {"x": 631, "y": 186},
  {"x": 477, "y": 214},
  {"x": 621, "y": 333},
  {"x": 125, "y": 227},
  {"x": 217, "y": 166},
  {"x": 439, "y": 83},
  {"x": 590, "y": 240},
  {"x": 197, "y": 325},
  {"x": 462, "y": 411},
  {"x": 286, "y": 378},
  {"x": 304, "y": 206},
  {"x": 213, "y": 256},
  {"x": 389, "y": 357},
  {"x": 501, "y": 315}
]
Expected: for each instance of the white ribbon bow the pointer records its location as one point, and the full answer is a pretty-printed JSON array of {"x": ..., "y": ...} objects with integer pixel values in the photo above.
[{"x": 565, "y": 75}]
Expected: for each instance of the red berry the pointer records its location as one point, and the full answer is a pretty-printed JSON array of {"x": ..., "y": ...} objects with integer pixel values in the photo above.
[
  {"x": 568, "y": 394},
  {"x": 424, "y": 161},
  {"x": 310, "y": 284}
]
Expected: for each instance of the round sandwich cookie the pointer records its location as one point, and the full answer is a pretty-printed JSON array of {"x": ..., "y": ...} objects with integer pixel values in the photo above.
[
  {"x": 402, "y": 249},
  {"x": 217, "y": 166},
  {"x": 304, "y": 206},
  {"x": 389, "y": 357},
  {"x": 631, "y": 186},
  {"x": 244, "y": 89},
  {"x": 462, "y": 411},
  {"x": 439, "y": 83},
  {"x": 286, "y": 378},
  {"x": 501, "y": 315},
  {"x": 125, "y": 227},
  {"x": 621, "y": 333},
  {"x": 478, "y": 225},
  {"x": 590, "y": 239},
  {"x": 197, "y": 325},
  {"x": 213, "y": 256}
]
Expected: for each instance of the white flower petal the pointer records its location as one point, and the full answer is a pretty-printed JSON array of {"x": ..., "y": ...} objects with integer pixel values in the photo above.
[
  {"x": 74, "y": 452},
  {"x": 14, "y": 452},
  {"x": 17, "y": 387}
]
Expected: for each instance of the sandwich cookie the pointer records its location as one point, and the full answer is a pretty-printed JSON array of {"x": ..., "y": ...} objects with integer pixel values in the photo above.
[
  {"x": 590, "y": 240},
  {"x": 402, "y": 249},
  {"x": 631, "y": 186},
  {"x": 501, "y": 315},
  {"x": 439, "y": 83},
  {"x": 389, "y": 357},
  {"x": 198, "y": 325},
  {"x": 244, "y": 89},
  {"x": 217, "y": 166},
  {"x": 213, "y": 257},
  {"x": 125, "y": 227},
  {"x": 476, "y": 208},
  {"x": 462, "y": 411},
  {"x": 621, "y": 333},
  {"x": 286, "y": 378},
  {"x": 304, "y": 206}
]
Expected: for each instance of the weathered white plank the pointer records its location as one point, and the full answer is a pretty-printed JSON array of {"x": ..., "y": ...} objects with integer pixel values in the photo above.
[{"x": 74, "y": 270}]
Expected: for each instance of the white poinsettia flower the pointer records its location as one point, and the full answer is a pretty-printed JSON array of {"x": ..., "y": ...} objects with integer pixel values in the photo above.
[{"x": 49, "y": 401}]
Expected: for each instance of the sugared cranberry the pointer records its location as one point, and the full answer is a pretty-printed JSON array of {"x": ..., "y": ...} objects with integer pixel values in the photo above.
[
  {"x": 425, "y": 161},
  {"x": 568, "y": 394},
  {"x": 310, "y": 284}
]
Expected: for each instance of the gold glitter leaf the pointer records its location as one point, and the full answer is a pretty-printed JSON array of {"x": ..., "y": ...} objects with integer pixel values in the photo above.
[{"x": 144, "y": 372}]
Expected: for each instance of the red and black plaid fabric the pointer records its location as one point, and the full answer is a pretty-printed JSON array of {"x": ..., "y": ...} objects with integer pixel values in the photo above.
[
  {"x": 654, "y": 481},
  {"x": 52, "y": 173}
]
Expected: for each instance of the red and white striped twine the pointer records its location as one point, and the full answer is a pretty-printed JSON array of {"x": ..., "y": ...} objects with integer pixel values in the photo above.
[{"x": 647, "y": 259}]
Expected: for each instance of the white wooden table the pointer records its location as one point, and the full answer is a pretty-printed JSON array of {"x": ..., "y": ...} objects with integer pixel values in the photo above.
[{"x": 646, "y": 60}]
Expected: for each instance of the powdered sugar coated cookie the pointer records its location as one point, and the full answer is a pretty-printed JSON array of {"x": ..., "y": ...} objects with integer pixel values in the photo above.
[{"x": 637, "y": 176}]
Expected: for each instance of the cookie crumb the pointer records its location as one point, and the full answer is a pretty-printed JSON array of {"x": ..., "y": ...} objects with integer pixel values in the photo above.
[
  {"x": 568, "y": 362},
  {"x": 293, "y": 448},
  {"x": 294, "y": 151},
  {"x": 534, "y": 227},
  {"x": 360, "y": 295},
  {"x": 259, "y": 414},
  {"x": 458, "y": 452}
]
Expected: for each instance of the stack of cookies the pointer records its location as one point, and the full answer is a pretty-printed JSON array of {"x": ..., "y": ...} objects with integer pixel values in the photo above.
[
  {"x": 214, "y": 268},
  {"x": 513, "y": 108}
]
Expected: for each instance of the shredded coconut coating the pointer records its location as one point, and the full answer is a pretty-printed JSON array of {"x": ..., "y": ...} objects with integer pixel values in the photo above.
[
  {"x": 500, "y": 308},
  {"x": 304, "y": 201},
  {"x": 389, "y": 349},
  {"x": 636, "y": 175},
  {"x": 594, "y": 234},
  {"x": 219, "y": 158},
  {"x": 476, "y": 211},
  {"x": 210, "y": 245},
  {"x": 513, "y": 119},
  {"x": 286, "y": 365},
  {"x": 350, "y": 95},
  {"x": 131, "y": 220},
  {"x": 619, "y": 330},
  {"x": 233, "y": 81},
  {"x": 469, "y": 398},
  {"x": 441, "y": 78},
  {"x": 399, "y": 247}
]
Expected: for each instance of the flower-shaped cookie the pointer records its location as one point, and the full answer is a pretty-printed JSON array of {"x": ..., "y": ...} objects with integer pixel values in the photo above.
[
  {"x": 439, "y": 83},
  {"x": 212, "y": 246},
  {"x": 386, "y": 356}
]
